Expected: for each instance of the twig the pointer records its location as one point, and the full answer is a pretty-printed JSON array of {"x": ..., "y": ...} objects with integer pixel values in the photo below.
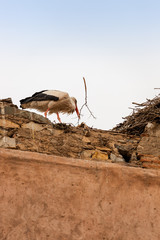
[
  {"x": 138, "y": 104},
  {"x": 85, "y": 104}
]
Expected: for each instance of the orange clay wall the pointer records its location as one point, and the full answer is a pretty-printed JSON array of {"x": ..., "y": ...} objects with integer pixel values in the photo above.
[{"x": 46, "y": 197}]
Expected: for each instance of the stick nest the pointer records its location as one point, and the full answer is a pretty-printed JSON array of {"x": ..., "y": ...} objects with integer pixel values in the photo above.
[{"x": 143, "y": 113}]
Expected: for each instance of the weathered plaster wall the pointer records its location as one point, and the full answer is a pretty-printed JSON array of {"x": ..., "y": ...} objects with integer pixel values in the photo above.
[{"x": 44, "y": 197}]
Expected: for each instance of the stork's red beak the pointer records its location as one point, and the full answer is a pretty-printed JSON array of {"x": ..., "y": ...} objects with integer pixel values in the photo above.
[{"x": 77, "y": 112}]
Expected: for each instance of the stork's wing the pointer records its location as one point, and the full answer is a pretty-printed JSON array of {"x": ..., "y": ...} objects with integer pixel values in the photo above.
[
  {"x": 39, "y": 96},
  {"x": 59, "y": 94},
  {"x": 37, "y": 93},
  {"x": 44, "y": 97}
]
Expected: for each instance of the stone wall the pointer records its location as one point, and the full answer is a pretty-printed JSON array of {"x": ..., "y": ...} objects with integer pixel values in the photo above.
[{"x": 27, "y": 131}]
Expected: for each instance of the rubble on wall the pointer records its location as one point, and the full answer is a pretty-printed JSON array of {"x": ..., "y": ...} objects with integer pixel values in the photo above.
[{"x": 28, "y": 131}]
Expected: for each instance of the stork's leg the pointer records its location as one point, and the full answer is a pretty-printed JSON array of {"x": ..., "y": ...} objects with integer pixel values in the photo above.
[
  {"x": 58, "y": 117},
  {"x": 45, "y": 114}
]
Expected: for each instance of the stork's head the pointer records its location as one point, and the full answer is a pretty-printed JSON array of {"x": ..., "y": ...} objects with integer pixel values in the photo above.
[{"x": 76, "y": 108}]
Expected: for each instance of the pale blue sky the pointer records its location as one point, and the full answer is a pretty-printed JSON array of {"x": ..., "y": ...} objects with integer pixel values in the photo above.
[{"x": 115, "y": 45}]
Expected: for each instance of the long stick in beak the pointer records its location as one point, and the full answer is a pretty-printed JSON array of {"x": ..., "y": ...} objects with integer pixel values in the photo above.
[{"x": 77, "y": 112}]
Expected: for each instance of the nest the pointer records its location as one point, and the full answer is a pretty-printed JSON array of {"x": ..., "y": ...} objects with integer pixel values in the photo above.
[{"x": 143, "y": 113}]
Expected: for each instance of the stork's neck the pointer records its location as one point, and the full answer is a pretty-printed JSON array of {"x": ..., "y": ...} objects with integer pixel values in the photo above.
[{"x": 73, "y": 101}]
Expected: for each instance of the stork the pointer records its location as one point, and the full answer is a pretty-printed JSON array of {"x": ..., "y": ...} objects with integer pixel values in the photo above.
[{"x": 51, "y": 101}]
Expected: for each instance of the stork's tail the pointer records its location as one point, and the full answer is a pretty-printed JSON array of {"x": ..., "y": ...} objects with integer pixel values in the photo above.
[
  {"x": 22, "y": 107},
  {"x": 24, "y": 101}
]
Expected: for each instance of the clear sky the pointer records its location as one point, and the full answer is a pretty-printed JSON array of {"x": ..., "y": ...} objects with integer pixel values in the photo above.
[{"x": 53, "y": 44}]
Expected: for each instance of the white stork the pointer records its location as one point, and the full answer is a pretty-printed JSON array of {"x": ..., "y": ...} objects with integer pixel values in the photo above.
[{"x": 51, "y": 101}]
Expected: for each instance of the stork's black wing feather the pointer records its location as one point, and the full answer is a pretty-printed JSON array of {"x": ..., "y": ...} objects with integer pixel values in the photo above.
[
  {"x": 37, "y": 93},
  {"x": 44, "y": 97},
  {"x": 39, "y": 96}
]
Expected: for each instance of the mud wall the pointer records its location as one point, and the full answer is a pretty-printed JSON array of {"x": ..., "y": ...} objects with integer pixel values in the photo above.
[{"x": 58, "y": 198}]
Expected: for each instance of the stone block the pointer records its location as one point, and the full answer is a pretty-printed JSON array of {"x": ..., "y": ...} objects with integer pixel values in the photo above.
[
  {"x": 115, "y": 158},
  {"x": 87, "y": 154},
  {"x": 33, "y": 126},
  {"x": 86, "y": 140},
  {"x": 8, "y": 110},
  {"x": 7, "y": 142},
  {"x": 104, "y": 149},
  {"x": 98, "y": 155},
  {"x": 4, "y": 123}
]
